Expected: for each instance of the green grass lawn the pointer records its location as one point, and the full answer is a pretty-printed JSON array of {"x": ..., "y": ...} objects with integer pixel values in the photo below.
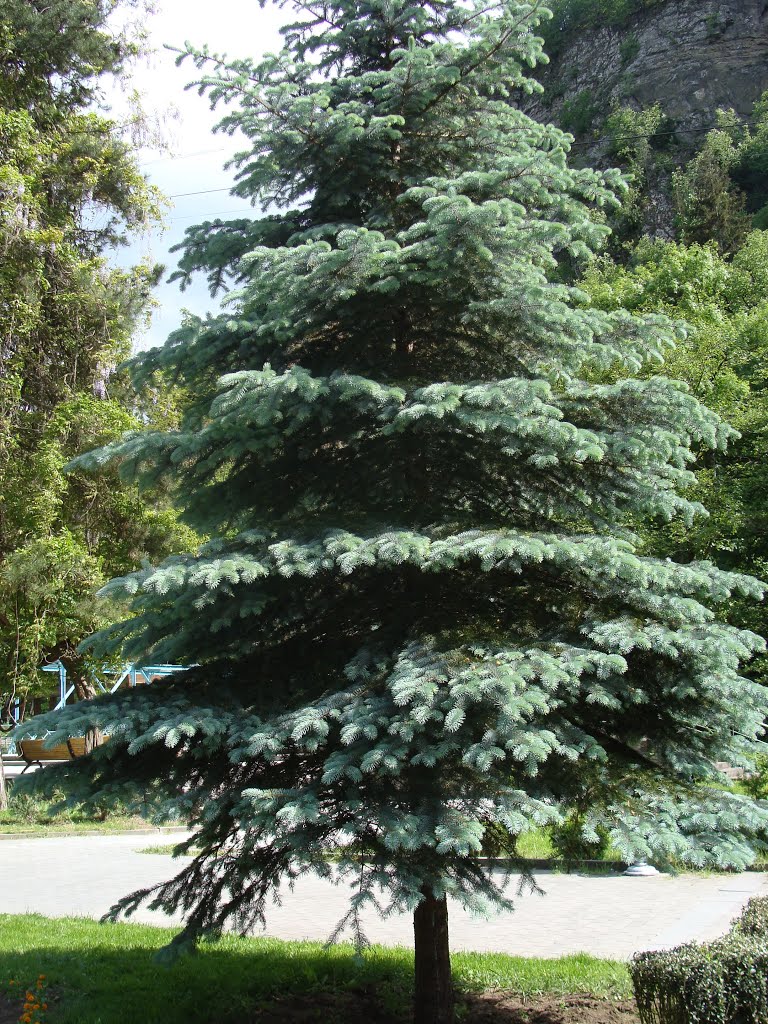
[
  {"x": 28, "y": 814},
  {"x": 104, "y": 974},
  {"x": 62, "y": 825}
]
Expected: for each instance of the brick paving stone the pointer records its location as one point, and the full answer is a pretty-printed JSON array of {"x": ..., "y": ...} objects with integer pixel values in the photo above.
[{"x": 609, "y": 916}]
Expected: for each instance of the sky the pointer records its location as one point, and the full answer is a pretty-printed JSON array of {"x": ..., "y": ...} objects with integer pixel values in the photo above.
[{"x": 192, "y": 157}]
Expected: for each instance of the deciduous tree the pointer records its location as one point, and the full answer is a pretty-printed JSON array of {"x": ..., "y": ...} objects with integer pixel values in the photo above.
[{"x": 70, "y": 190}]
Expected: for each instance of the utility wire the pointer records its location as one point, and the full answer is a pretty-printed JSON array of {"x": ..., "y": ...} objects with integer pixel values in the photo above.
[
  {"x": 674, "y": 131},
  {"x": 202, "y": 192},
  {"x": 181, "y": 156},
  {"x": 575, "y": 145},
  {"x": 214, "y": 213}
]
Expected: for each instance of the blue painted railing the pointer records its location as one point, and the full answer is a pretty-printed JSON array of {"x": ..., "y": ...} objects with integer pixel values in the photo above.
[{"x": 132, "y": 675}]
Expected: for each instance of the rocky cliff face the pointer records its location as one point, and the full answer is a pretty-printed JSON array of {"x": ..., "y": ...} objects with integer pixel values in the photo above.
[{"x": 691, "y": 56}]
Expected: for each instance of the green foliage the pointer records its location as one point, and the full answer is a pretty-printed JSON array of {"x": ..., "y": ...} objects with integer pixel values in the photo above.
[
  {"x": 721, "y": 982},
  {"x": 750, "y": 169},
  {"x": 578, "y": 115},
  {"x": 726, "y": 181},
  {"x": 27, "y": 814},
  {"x": 627, "y": 131},
  {"x": 51, "y": 55},
  {"x": 707, "y": 203},
  {"x": 724, "y": 982},
  {"x": 755, "y": 781},
  {"x": 724, "y": 361},
  {"x": 753, "y": 919},
  {"x": 629, "y": 47},
  {"x": 66, "y": 320},
  {"x": 573, "y": 17},
  {"x": 424, "y": 610},
  {"x": 575, "y": 840}
]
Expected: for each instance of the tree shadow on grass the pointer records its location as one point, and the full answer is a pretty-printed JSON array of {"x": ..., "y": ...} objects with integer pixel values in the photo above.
[
  {"x": 105, "y": 974},
  {"x": 226, "y": 982},
  {"x": 10, "y": 1009},
  {"x": 356, "y": 1005}
]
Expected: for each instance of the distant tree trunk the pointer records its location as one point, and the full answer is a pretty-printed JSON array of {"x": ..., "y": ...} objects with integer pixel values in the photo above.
[
  {"x": 433, "y": 992},
  {"x": 3, "y": 787},
  {"x": 85, "y": 690}
]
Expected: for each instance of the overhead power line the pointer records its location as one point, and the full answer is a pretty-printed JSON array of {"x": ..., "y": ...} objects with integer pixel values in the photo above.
[
  {"x": 673, "y": 131},
  {"x": 214, "y": 213},
  {"x": 172, "y": 157},
  {"x": 202, "y": 192},
  {"x": 578, "y": 144}
]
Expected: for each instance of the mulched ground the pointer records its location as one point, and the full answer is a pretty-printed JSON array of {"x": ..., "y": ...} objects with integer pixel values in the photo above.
[
  {"x": 10, "y": 1010},
  {"x": 507, "y": 1008},
  {"x": 363, "y": 1008},
  {"x": 359, "y": 1007},
  {"x": 487, "y": 1008}
]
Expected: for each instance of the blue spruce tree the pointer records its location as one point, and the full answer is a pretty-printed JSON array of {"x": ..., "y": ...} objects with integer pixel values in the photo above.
[{"x": 422, "y": 615}]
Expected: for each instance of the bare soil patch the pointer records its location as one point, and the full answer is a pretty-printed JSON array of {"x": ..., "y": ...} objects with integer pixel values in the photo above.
[
  {"x": 357, "y": 1007},
  {"x": 362, "y": 1007},
  {"x": 509, "y": 1008},
  {"x": 10, "y": 1010}
]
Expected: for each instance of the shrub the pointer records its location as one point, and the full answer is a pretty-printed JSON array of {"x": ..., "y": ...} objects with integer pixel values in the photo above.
[
  {"x": 27, "y": 809},
  {"x": 715, "y": 26},
  {"x": 750, "y": 170},
  {"x": 755, "y": 782},
  {"x": 753, "y": 919},
  {"x": 497, "y": 841},
  {"x": 578, "y": 114},
  {"x": 629, "y": 48},
  {"x": 627, "y": 131},
  {"x": 707, "y": 204},
  {"x": 570, "y": 842},
  {"x": 722, "y": 982}
]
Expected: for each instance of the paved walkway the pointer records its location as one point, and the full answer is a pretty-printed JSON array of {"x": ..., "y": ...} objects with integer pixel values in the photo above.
[{"x": 611, "y": 917}]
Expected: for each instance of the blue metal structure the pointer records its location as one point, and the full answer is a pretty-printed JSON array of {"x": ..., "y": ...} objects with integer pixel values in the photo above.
[
  {"x": 133, "y": 675},
  {"x": 57, "y": 666},
  {"x": 130, "y": 674}
]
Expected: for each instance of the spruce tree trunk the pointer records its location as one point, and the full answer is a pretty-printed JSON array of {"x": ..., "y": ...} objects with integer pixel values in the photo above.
[{"x": 433, "y": 991}]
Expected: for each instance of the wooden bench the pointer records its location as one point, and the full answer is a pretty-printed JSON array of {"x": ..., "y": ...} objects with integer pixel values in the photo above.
[{"x": 35, "y": 752}]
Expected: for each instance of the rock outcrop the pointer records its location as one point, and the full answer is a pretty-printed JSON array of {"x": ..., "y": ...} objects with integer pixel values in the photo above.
[{"x": 691, "y": 56}]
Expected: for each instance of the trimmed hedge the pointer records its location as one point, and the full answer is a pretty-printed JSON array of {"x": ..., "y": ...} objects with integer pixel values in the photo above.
[
  {"x": 753, "y": 919},
  {"x": 721, "y": 982}
]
